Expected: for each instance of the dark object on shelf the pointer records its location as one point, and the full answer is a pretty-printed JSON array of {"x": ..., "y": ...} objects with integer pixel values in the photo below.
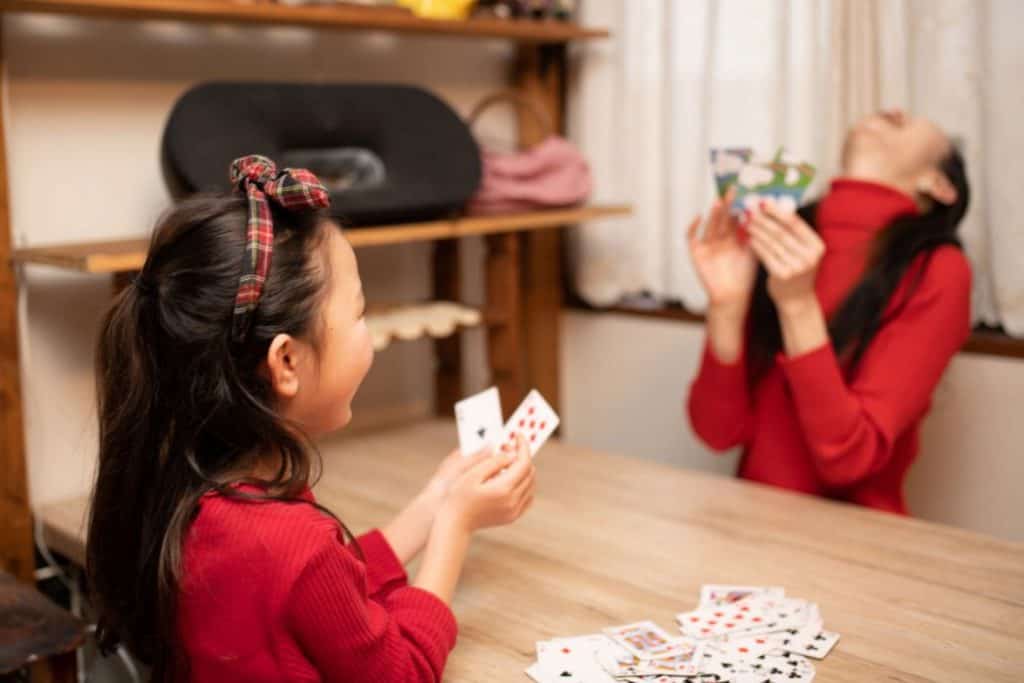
[
  {"x": 33, "y": 628},
  {"x": 388, "y": 153},
  {"x": 561, "y": 10}
]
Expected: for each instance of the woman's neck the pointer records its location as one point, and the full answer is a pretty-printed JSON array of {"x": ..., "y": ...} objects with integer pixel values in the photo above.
[{"x": 869, "y": 172}]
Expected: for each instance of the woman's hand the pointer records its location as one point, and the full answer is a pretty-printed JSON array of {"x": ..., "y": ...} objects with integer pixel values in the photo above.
[
  {"x": 790, "y": 251},
  {"x": 496, "y": 490},
  {"x": 724, "y": 261}
]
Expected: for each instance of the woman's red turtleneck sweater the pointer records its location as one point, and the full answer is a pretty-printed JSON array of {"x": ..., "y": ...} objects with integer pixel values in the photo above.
[{"x": 811, "y": 425}]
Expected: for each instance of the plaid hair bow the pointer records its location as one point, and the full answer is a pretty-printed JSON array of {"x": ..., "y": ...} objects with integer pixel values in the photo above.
[{"x": 294, "y": 189}]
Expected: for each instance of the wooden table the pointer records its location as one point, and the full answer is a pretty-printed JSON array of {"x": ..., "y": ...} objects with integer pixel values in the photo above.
[{"x": 612, "y": 539}]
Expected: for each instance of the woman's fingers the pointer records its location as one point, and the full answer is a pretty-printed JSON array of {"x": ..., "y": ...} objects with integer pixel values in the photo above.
[
  {"x": 713, "y": 230},
  {"x": 692, "y": 235},
  {"x": 771, "y": 256},
  {"x": 777, "y": 236},
  {"x": 795, "y": 226},
  {"x": 721, "y": 223},
  {"x": 785, "y": 250}
]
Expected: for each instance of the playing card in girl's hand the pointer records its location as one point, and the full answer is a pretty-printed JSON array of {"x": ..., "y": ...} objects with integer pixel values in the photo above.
[
  {"x": 534, "y": 419},
  {"x": 478, "y": 419}
]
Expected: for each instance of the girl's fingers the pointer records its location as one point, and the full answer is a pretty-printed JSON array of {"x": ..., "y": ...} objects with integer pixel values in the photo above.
[
  {"x": 524, "y": 487},
  {"x": 490, "y": 466},
  {"x": 523, "y": 448},
  {"x": 520, "y": 467},
  {"x": 464, "y": 464},
  {"x": 524, "y": 506}
]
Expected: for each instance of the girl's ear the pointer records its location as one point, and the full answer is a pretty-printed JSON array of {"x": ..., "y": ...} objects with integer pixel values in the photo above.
[{"x": 282, "y": 366}]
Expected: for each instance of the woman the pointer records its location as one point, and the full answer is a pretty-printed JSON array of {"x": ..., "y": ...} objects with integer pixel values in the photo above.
[{"x": 828, "y": 330}]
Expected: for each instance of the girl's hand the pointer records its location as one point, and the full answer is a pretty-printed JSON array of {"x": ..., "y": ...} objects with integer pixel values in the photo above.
[
  {"x": 495, "y": 490},
  {"x": 790, "y": 251},
  {"x": 724, "y": 261},
  {"x": 450, "y": 469}
]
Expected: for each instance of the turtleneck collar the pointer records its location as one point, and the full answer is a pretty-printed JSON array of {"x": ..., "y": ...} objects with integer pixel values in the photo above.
[{"x": 862, "y": 205}]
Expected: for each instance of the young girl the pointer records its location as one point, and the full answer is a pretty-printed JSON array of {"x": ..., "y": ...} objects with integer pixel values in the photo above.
[
  {"x": 829, "y": 330},
  {"x": 241, "y": 340}
]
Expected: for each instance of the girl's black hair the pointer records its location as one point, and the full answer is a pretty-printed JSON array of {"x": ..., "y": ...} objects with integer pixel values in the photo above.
[{"x": 184, "y": 411}]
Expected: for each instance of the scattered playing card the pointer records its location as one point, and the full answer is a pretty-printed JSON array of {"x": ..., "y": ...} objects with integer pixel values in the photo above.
[
  {"x": 478, "y": 419},
  {"x": 769, "y": 641},
  {"x": 816, "y": 646},
  {"x": 710, "y": 622},
  {"x": 640, "y": 638},
  {"x": 779, "y": 668},
  {"x": 572, "y": 660},
  {"x": 718, "y": 595},
  {"x": 534, "y": 419}
]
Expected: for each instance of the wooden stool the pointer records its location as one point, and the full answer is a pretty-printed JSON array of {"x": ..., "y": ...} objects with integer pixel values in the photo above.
[{"x": 33, "y": 629}]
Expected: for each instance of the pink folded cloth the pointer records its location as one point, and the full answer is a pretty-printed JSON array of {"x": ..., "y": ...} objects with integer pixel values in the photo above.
[{"x": 550, "y": 174}]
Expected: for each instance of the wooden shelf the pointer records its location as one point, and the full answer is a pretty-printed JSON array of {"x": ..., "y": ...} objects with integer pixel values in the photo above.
[
  {"x": 342, "y": 16},
  {"x": 118, "y": 256},
  {"x": 406, "y": 322}
]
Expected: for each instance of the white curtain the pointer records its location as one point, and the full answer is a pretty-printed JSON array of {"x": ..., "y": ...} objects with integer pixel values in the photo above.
[
  {"x": 961, "y": 64},
  {"x": 680, "y": 76}
]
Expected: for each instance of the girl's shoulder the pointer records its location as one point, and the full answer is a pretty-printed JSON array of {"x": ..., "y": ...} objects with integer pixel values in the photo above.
[{"x": 286, "y": 533}]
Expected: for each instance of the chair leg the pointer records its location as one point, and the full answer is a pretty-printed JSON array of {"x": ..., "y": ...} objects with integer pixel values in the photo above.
[{"x": 57, "y": 669}]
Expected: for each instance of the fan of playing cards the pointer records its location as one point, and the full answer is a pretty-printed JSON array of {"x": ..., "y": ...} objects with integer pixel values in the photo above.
[
  {"x": 478, "y": 419},
  {"x": 743, "y": 634},
  {"x": 782, "y": 179}
]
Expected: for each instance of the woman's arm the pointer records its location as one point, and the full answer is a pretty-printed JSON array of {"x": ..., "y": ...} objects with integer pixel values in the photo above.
[
  {"x": 850, "y": 428},
  {"x": 719, "y": 405},
  {"x": 719, "y": 401}
]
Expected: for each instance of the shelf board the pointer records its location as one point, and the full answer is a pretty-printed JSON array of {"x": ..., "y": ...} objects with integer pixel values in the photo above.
[
  {"x": 389, "y": 323},
  {"x": 116, "y": 256},
  {"x": 352, "y": 17}
]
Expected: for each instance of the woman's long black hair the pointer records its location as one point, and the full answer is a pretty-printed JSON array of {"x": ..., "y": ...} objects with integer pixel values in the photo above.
[
  {"x": 896, "y": 248},
  {"x": 183, "y": 410}
]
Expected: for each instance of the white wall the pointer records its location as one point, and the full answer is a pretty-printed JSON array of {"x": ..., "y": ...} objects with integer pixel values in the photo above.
[
  {"x": 87, "y": 104},
  {"x": 625, "y": 379},
  {"x": 88, "y": 100}
]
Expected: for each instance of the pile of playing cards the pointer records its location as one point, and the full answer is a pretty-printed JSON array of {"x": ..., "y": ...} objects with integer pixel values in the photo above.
[
  {"x": 743, "y": 634},
  {"x": 781, "y": 179},
  {"x": 478, "y": 419}
]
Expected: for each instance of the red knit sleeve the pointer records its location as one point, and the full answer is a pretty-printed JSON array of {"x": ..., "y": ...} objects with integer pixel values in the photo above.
[
  {"x": 384, "y": 571},
  {"x": 349, "y": 636},
  {"x": 719, "y": 402},
  {"x": 850, "y": 429}
]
